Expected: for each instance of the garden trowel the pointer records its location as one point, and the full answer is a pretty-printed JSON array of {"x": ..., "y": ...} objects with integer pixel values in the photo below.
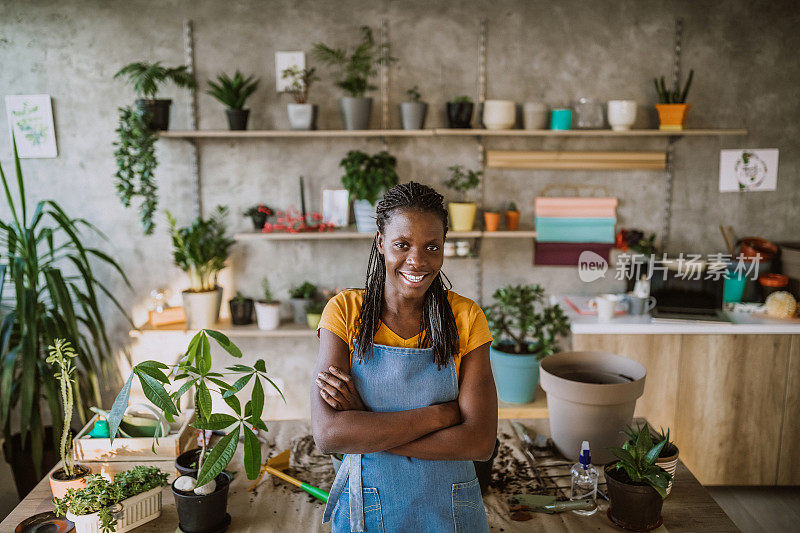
[
  {"x": 275, "y": 466},
  {"x": 538, "y": 503}
]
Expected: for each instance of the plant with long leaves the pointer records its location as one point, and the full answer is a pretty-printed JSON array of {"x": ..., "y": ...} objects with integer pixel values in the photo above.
[
  {"x": 135, "y": 153},
  {"x": 54, "y": 295},
  {"x": 232, "y": 92},
  {"x": 201, "y": 249},
  {"x": 674, "y": 95},
  {"x": 367, "y": 176},
  {"x": 637, "y": 457},
  {"x": 356, "y": 69},
  {"x": 301, "y": 81},
  {"x": 193, "y": 371},
  {"x": 61, "y": 355},
  {"x": 145, "y": 78},
  {"x": 521, "y": 322},
  {"x": 670, "y": 447}
]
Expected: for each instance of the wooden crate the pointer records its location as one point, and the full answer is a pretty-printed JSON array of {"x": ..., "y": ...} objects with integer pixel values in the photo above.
[{"x": 138, "y": 448}]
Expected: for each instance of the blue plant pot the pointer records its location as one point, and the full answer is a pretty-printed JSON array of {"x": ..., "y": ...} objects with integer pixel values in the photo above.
[{"x": 516, "y": 375}]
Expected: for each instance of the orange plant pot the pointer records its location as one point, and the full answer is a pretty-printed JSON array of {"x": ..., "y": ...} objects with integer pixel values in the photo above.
[
  {"x": 672, "y": 116},
  {"x": 512, "y": 220},
  {"x": 492, "y": 221},
  {"x": 60, "y": 487}
]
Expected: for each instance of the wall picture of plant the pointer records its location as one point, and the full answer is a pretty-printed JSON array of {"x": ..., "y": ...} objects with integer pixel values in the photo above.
[{"x": 30, "y": 117}]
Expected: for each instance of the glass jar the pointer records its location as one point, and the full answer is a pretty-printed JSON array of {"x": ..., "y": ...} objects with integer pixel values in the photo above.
[{"x": 588, "y": 114}]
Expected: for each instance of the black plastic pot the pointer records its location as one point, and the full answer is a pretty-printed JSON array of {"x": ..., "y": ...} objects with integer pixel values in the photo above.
[
  {"x": 459, "y": 114},
  {"x": 241, "y": 311},
  {"x": 635, "y": 506},
  {"x": 156, "y": 112},
  {"x": 237, "y": 118},
  {"x": 203, "y": 513},
  {"x": 483, "y": 469},
  {"x": 21, "y": 461},
  {"x": 186, "y": 463},
  {"x": 259, "y": 219}
]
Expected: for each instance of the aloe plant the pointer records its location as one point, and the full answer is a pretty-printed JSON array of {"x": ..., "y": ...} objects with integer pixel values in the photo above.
[
  {"x": 54, "y": 294},
  {"x": 193, "y": 371}
]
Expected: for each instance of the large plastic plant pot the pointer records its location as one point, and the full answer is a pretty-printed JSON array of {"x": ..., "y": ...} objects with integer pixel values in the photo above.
[
  {"x": 201, "y": 513},
  {"x": 516, "y": 375},
  {"x": 590, "y": 396}
]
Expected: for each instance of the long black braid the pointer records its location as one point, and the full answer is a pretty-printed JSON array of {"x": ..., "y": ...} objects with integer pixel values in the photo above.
[{"x": 438, "y": 325}]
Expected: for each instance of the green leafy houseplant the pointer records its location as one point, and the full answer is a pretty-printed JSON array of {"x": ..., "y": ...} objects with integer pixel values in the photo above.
[
  {"x": 100, "y": 495},
  {"x": 232, "y": 92},
  {"x": 145, "y": 78},
  {"x": 266, "y": 291},
  {"x": 193, "y": 372},
  {"x": 522, "y": 323},
  {"x": 135, "y": 154},
  {"x": 637, "y": 458},
  {"x": 366, "y": 176},
  {"x": 201, "y": 249},
  {"x": 301, "y": 82},
  {"x": 305, "y": 290},
  {"x": 512, "y": 207},
  {"x": 357, "y": 68},
  {"x": 61, "y": 358},
  {"x": 463, "y": 181},
  {"x": 413, "y": 94},
  {"x": 463, "y": 99},
  {"x": 54, "y": 293},
  {"x": 675, "y": 95},
  {"x": 658, "y": 436}
]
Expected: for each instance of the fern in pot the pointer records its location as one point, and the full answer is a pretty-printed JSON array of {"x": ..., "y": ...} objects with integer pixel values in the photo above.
[
  {"x": 200, "y": 250},
  {"x": 302, "y": 115},
  {"x": 462, "y": 212},
  {"x": 366, "y": 177},
  {"x": 525, "y": 331},
  {"x": 233, "y": 93},
  {"x": 146, "y": 78},
  {"x": 268, "y": 309}
]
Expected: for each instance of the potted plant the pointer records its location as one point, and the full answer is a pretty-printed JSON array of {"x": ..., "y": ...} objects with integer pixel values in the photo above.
[
  {"x": 366, "y": 177},
  {"x": 512, "y": 217},
  {"x": 145, "y": 78},
  {"x": 132, "y": 499},
  {"x": 525, "y": 331},
  {"x": 259, "y": 214},
  {"x": 200, "y": 250},
  {"x": 233, "y": 93},
  {"x": 314, "y": 312},
  {"x": 356, "y": 70},
  {"x": 637, "y": 486},
  {"x": 201, "y": 497},
  {"x": 667, "y": 458},
  {"x": 53, "y": 292},
  {"x": 268, "y": 309},
  {"x": 672, "y": 107},
  {"x": 492, "y": 219},
  {"x": 459, "y": 112},
  {"x": 462, "y": 213},
  {"x": 241, "y": 310},
  {"x": 135, "y": 154},
  {"x": 299, "y": 298},
  {"x": 413, "y": 112},
  {"x": 302, "y": 115},
  {"x": 70, "y": 475}
]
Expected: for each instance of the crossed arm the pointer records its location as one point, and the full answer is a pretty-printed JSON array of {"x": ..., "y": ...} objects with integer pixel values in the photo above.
[{"x": 464, "y": 429}]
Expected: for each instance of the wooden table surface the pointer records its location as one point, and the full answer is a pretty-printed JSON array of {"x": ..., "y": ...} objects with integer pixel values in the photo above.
[{"x": 275, "y": 506}]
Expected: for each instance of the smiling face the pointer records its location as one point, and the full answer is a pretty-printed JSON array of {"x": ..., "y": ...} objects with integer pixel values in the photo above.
[{"x": 412, "y": 245}]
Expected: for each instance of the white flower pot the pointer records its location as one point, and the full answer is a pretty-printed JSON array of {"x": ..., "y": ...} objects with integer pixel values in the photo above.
[
  {"x": 268, "y": 315},
  {"x": 365, "y": 216},
  {"x": 202, "y": 308},
  {"x": 132, "y": 513},
  {"x": 621, "y": 114},
  {"x": 499, "y": 114},
  {"x": 302, "y": 116}
]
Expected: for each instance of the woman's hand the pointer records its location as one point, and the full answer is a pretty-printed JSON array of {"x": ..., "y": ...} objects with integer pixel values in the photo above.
[{"x": 337, "y": 389}]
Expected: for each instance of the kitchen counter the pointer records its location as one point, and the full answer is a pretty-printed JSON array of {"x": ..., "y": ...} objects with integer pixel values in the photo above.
[{"x": 277, "y": 506}]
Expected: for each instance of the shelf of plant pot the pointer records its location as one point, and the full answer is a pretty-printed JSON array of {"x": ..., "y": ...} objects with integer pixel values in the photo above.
[
  {"x": 352, "y": 234},
  {"x": 534, "y": 409},
  {"x": 286, "y": 329},
  {"x": 290, "y": 134},
  {"x": 587, "y": 133}
]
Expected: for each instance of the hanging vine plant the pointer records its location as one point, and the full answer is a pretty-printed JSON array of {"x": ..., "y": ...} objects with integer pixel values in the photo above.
[{"x": 136, "y": 164}]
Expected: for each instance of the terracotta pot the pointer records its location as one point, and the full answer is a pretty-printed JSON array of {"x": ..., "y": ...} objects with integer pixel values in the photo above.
[
  {"x": 670, "y": 464},
  {"x": 672, "y": 116},
  {"x": 462, "y": 215},
  {"x": 512, "y": 220},
  {"x": 492, "y": 220},
  {"x": 59, "y": 487},
  {"x": 751, "y": 246},
  {"x": 633, "y": 506}
]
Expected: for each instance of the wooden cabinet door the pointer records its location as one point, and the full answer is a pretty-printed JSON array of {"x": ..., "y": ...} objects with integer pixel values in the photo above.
[{"x": 789, "y": 463}]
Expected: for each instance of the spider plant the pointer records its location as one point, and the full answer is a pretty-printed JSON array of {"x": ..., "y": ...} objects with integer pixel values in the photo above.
[
  {"x": 232, "y": 92},
  {"x": 53, "y": 294}
]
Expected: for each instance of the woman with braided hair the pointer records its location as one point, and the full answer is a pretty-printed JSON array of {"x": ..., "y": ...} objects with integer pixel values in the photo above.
[{"x": 403, "y": 383}]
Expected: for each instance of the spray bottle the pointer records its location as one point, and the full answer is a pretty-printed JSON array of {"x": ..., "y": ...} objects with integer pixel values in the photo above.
[{"x": 584, "y": 480}]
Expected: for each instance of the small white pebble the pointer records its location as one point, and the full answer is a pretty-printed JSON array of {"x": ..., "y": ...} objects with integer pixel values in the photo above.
[
  {"x": 185, "y": 483},
  {"x": 208, "y": 488}
]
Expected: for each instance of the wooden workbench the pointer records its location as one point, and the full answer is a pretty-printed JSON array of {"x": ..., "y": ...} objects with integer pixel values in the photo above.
[{"x": 276, "y": 507}]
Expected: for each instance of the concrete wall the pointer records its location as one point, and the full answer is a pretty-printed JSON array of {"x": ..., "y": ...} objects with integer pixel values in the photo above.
[{"x": 743, "y": 53}]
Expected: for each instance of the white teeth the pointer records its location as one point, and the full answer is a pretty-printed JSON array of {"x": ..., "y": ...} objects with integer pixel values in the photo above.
[{"x": 412, "y": 279}]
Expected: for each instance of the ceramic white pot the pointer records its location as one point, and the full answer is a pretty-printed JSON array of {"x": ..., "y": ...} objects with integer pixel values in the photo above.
[
  {"x": 268, "y": 315},
  {"x": 499, "y": 114},
  {"x": 302, "y": 116},
  {"x": 365, "y": 216},
  {"x": 202, "y": 308},
  {"x": 534, "y": 116},
  {"x": 130, "y": 513},
  {"x": 621, "y": 114}
]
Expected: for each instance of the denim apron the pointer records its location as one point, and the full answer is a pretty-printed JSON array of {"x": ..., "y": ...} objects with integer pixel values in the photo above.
[{"x": 384, "y": 492}]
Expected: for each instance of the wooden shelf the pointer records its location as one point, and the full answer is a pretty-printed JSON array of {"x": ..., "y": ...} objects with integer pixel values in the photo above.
[
  {"x": 350, "y": 233},
  {"x": 534, "y": 409},
  {"x": 438, "y": 132},
  {"x": 286, "y": 329}
]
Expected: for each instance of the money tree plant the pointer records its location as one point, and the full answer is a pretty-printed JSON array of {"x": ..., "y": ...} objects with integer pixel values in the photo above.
[{"x": 193, "y": 372}]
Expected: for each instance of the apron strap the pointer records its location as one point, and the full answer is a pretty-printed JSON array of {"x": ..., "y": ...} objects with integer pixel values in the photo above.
[{"x": 350, "y": 469}]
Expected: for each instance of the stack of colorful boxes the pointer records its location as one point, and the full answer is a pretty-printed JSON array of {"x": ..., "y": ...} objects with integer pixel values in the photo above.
[{"x": 566, "y": 227}]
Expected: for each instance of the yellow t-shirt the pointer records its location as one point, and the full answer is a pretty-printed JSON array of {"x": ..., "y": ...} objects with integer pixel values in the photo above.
[{"x": 341, "y": 315}]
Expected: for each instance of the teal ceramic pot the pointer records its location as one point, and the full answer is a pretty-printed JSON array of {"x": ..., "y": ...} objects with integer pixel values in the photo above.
[
  {"x": 516, "y": 375},
  {"x": 560, "y": 119}
]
